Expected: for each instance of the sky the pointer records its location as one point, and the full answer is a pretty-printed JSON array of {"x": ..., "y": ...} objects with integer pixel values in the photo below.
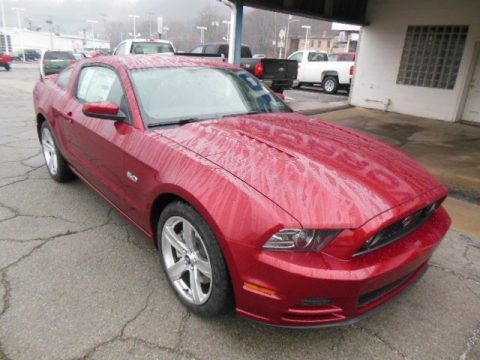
[{"x": 72, "y": 15}]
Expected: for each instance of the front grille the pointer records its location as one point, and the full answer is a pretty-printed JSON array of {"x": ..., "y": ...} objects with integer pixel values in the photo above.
[{"x": 399, "y": 229}]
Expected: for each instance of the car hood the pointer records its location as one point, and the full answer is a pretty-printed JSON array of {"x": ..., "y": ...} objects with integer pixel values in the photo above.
[{"x": 322, "y": 174}]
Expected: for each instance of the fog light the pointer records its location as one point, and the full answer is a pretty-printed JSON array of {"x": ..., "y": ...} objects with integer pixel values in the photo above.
[{"x": 315, "y": 302}]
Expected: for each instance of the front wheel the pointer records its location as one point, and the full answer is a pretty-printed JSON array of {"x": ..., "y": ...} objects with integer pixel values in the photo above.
[
  {"x": 56, "y": 164},
  {"x": 193, "y": 261},
  {"x": 330, "y": 85},
  {"x": 7, "y": 67}
]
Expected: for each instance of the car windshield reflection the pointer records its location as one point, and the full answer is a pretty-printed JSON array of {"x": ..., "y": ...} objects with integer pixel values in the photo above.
[{"x": 169, "y": 94}]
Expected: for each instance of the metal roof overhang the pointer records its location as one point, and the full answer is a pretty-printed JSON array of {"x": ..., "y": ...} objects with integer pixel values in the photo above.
[{"x": 347, "y": 11}]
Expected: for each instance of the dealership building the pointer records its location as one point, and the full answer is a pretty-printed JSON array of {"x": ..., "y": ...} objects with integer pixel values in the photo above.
[
  {"x": 420, "y": 58},
  {"x": 16, "y": 39},
  {"x": 416, "y": 57}
]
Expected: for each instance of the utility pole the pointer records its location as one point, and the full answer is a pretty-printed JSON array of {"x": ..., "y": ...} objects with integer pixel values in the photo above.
[
  {"x": 150, "y": 16},
  {"x": 103, "y": 20},
  {"x": 134, "y": 18},
  {"x": 228, "y": 29},
  {"x": 202, "y": 33},
  {"x": 93, "y": 22},
  {"x": 5, "y": 38},
  {"x": 287, "y": 35},
  {"x": 20, "y": 30},
  {"x": 307, "y": 29}
]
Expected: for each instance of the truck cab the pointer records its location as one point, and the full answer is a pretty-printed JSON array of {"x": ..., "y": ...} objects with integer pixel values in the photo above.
[
  {"x": 144, "y": 46},
  {"x": 315, "y": 67}
]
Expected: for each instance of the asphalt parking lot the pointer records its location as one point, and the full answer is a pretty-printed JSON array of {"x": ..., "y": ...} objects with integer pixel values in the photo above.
[{"x": 77, "y": 281}]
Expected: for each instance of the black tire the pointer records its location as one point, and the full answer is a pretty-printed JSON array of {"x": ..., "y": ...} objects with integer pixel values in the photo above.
[
  {"x": 330, "y": 85},
  {"x": 278, "y": 90},
  {"x": 7, "y": 67},
  {"x": 220, "y": 299},
  {"x": 62, "y": 172}
]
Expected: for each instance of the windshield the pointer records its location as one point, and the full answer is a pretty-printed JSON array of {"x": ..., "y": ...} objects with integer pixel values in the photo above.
[
  {"x": 151, "y": 48},
  {"x": 166, "y": 95}
]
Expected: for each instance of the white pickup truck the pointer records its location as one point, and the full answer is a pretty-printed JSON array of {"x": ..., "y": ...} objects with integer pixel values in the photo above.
[{"x": 315, "y": 68}]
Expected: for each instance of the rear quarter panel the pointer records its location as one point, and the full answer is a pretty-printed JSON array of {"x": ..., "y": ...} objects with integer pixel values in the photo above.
[{"x": 342, "y": 68}]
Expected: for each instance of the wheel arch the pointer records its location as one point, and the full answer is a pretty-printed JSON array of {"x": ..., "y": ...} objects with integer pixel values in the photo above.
[
  {"x": 173, "y": 193},
  {"x": 176, "y": 194},
  {"x": 40, "y": 120},
  {"x": 329, "y": 73}
]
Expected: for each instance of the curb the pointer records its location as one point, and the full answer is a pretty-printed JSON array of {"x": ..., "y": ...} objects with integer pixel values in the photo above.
[{"x": 323, "y": 110}]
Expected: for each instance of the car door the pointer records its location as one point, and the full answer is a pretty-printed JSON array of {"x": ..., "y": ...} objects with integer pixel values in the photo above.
[
  {"x": 95, "y": 144},
  {"x": 58, "y": 115},
  {"x": 298, "y": 57},
  {"x": 312, "y": 68}
]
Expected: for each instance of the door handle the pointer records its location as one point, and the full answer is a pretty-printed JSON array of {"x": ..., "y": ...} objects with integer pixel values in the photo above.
[{"x": 68, "y": 116}]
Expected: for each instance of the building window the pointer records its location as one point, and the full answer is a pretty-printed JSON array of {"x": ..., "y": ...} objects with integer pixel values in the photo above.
[
  {"x": 431, "y": 56},
  {"x": 5, "y": 47}
]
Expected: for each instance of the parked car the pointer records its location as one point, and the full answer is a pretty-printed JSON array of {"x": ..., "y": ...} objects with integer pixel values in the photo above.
[
  {"x": 30, "y": 55},
  {"x": 5, "y": 61},
  {"x": 294, "y": 221},
  {"x": 54, "y": 61},
  {"x": 278, "y": 74},
  {"x": 315, "y": 68},
  {"x": 144, "y": 46}
]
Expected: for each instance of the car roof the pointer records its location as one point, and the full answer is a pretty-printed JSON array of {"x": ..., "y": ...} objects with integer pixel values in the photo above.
[
  {"x": 151, "y": 41},
  {"x": 217, "y": 43},
  {"x": 131, "y": 62}
]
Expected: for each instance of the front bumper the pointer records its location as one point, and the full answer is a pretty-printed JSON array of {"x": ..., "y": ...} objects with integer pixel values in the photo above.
[{"x": 349, "y": 289}]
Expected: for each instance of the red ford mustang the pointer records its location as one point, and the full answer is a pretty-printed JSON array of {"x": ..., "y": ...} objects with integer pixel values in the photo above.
[{"x": 293, "y": 221}]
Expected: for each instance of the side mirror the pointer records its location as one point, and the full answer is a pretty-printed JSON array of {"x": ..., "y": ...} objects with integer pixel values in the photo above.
[{"x": 103, "y": 110}]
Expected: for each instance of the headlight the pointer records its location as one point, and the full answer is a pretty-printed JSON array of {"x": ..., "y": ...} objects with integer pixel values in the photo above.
[{"x": 301, "y": 240}]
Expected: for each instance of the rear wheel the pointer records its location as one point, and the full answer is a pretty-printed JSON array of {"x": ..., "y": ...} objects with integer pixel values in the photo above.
[
  {"x": 330, "y": 85},
  {"x": 56, "y": 164},
  {"x": 7, "y": 67},
  {"x": 278, "y": 89},
  {"x": 193, "y": 260}
]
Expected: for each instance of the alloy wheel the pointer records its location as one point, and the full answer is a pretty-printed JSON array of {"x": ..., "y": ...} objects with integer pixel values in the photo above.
[
  {"x": 329, "y": 85},
  {"x": 186, "y": 260},
  {"x": 49, "y": 151}
]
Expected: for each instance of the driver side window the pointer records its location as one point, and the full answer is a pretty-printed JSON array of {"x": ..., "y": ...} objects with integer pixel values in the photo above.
[
  {"x": 197, "y": 50},
  {"x": 122, "y": 49},
  {"x": 98, "y": 84},
  {"x": 297, "y": 57}
]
